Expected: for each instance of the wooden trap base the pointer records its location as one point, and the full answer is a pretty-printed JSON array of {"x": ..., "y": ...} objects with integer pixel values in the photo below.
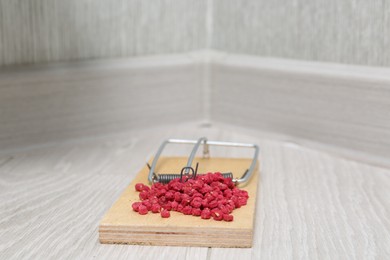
[{"x": 121, "y": 225}]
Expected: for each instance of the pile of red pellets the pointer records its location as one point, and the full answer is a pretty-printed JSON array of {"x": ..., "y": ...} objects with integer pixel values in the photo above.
[{"x": 208, "y": 196}]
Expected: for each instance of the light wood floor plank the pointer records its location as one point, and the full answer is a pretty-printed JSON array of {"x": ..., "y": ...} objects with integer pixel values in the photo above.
[{"x": 310, "y": 204}]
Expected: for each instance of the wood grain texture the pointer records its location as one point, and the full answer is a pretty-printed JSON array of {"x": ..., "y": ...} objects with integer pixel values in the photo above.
[
  {"x": 353, "y": 32},
  {"x": 47, "y": 103},
  {"x": 340, "y": 107},
  {"x": 311, "y": 205},
  {"x": 45, "y": 31},
  {"x": 122, "y": 225}
]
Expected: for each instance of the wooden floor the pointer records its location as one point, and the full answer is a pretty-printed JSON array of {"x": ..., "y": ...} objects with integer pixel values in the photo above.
[{"x": 311, "y": 205}]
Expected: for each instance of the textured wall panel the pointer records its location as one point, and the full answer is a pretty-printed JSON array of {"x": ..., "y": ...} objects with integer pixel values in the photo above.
[
  {"x": 54, "y": 30},
  {"x": 349, "y": 31}
]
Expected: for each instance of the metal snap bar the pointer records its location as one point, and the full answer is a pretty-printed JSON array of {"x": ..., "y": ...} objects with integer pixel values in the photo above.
[{"x": 165, "y": 178}]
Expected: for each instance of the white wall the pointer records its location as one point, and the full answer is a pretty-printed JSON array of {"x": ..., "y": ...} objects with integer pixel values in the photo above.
[
  {"x": 347, "y": 31},
  {"x": 345, "y": 107},
  {"x": 36, "y": 31}
]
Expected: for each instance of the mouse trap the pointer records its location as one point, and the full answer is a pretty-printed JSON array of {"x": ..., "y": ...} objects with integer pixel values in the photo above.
[{"x": 123, "y": 225}]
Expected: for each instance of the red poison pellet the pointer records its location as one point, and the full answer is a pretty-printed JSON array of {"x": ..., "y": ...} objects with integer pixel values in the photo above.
[{"x": 209, "y": 196}]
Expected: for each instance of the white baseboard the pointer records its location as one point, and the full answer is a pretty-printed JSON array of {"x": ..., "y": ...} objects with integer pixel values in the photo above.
[
  {"x": 333, "y": 105},
  {"x": 42, "y": 104}
]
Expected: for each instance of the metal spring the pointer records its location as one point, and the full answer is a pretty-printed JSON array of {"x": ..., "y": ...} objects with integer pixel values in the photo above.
[{"x": 165, "y": 178}]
